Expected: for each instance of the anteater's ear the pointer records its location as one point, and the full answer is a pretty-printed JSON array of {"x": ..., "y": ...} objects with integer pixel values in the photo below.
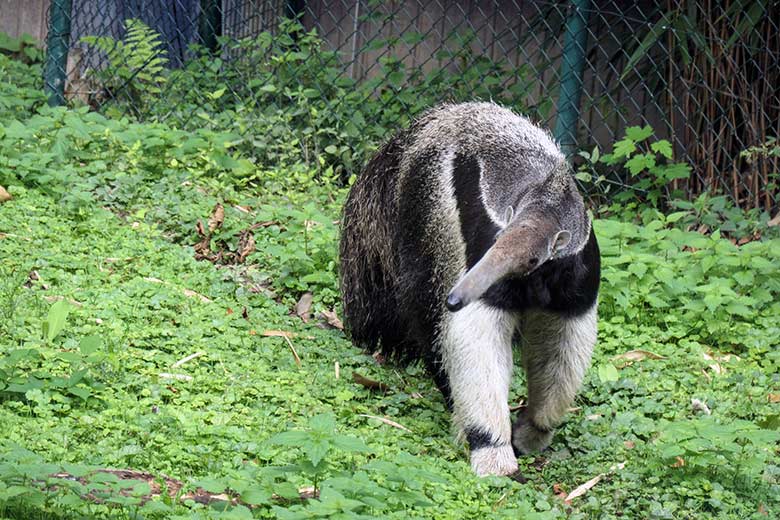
[
  {"x": 509, "y": 214},
  {"x": 561, "y": 240}
]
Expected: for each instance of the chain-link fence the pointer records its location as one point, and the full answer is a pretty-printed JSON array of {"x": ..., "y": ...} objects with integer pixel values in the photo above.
[{"x": 704, "y": 75}]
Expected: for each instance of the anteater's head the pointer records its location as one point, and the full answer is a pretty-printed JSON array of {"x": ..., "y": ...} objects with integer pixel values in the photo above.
[{"x": 549, "y": 223}]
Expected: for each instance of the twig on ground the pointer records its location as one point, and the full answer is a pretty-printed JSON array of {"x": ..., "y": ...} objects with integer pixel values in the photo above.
[
  {"x": 187, "y": 358},
  {"x": 386, "y": 421}
]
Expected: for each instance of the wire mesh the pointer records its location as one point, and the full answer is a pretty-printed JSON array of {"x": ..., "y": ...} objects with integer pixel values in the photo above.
[{"x": 704, "y": 75}]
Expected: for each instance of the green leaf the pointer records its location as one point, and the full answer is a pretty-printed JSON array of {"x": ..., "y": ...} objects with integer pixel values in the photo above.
[
  {"x": 217, "y": 93},
  {"x": 324, "y": 423},
  {"x": 291, "y": 438},
  {"x": 637, "y": 268},
  {"x": 90, "y": 344},
  {"x": 652, "y": 36},
  {"x": 676, "y": 171},
  {"x": 748, "y": 22},
  {"x": 56, "y": 319},
  {"x": 316, "y": 449},
  {"x": 78, "y": 391},
  {"x": 624, "y": 148},
  {"x": 663, "y": 147},
  {"x": 256, "y": 496},
  {"x": 771, "y": 422},
  {"x": 350, "y": 444},
  {"x": 608, "y": 373},
  {"x": 639, "y": 163},
  {"x": 639, "y": 134},
  {"x": 211, "y": 485}
]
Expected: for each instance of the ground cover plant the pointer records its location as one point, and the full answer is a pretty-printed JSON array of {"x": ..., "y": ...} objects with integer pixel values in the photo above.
[{"x": 167, "y": 313}]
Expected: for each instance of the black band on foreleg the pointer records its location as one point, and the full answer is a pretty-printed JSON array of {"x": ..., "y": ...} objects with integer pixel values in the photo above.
[{"x": 479, "y": 438}]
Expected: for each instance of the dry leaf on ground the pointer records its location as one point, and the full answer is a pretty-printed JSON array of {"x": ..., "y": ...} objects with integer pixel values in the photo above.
[
  {"x": 51, "y": 299},
  {"x": 332, "y": 319},
  {"x": 638, "y": 355},
  {"x": 716, "y": 365},
  {"x": 369, "y": 383},
  {"x": 246, "y": 245},
  {"x": 303, "y": 307},
  {"x": 217, "y": 217},
  {"x": 559, "y": 491},
  {"x": 189, "y": 293}
]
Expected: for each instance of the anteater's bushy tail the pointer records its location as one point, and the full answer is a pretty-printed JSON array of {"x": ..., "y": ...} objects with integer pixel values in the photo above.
[{"x": 367, "y": 254}]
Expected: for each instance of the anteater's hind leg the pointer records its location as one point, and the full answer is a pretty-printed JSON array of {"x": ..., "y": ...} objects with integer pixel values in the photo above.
[
  {"x": 556, "y": 353},
  {"x": 477, "y": 353}
]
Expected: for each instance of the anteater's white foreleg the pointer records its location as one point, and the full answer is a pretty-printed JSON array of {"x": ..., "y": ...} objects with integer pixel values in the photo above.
[
  {"x": 477, "y": 354},
  {"x": 556, "y": 353}
]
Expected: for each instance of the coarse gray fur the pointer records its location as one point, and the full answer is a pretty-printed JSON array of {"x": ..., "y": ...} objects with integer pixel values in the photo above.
[{"x": 405, "y": 262}]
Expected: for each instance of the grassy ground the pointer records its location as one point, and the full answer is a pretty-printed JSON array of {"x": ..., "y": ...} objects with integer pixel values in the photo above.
[{"x": 140, "y": 303}]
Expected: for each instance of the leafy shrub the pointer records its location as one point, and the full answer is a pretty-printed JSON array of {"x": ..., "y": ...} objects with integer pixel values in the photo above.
[
  {"x": 709, "y": 212},
  {"x": 646, "y": 167},
  {"x": 135, "y": 64},
  {"x": 23, "y": 376},
  {"x": 738, "y": 450},
  {"x": 395, "y": 486},
  {"x": 716, "y": 288},
  {"x": 21, "y": 91},
  {"x": 289, "y": 100},
  {"x": 25, "y": 48}
]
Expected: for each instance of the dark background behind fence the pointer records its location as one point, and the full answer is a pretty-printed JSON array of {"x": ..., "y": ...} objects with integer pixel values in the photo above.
[{"x": 705, "y": 75}]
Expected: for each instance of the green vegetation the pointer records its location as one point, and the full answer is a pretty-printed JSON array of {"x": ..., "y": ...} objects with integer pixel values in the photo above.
[
  {"x": 120, "y": 350},
  {"x": 288, "y": 100}
]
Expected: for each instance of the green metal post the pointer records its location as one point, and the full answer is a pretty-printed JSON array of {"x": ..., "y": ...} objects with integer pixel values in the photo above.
[
  {"x": 210, "y": 23},
  {"x": 57, "y": 51},
  {"x": 572, "y": 65}
]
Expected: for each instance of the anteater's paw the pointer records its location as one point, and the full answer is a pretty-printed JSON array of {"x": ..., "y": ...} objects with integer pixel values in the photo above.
[
  {"x": 527, "y": 437},
  {"x": 494, "y": 460}
]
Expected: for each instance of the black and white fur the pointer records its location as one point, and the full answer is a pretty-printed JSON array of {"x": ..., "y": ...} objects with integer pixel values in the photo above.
[{"x": 462, "y": 234}]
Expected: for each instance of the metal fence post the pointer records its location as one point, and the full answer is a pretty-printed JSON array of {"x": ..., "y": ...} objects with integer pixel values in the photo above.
[
  {"x": 572, "y": 65},
  {"x": 57, "y": 51},
  {"x": 210, "y": 23}
]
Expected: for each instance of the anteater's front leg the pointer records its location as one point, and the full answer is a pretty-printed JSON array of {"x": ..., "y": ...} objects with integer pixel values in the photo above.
[
  {"x": 556, "y": 353},
  {"x": 477, "y": 355}
]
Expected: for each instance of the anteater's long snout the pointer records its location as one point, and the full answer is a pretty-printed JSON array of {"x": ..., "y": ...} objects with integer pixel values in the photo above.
[
  {"x": 492, "y": 267},
  {"x": 519, "y": 250}
]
